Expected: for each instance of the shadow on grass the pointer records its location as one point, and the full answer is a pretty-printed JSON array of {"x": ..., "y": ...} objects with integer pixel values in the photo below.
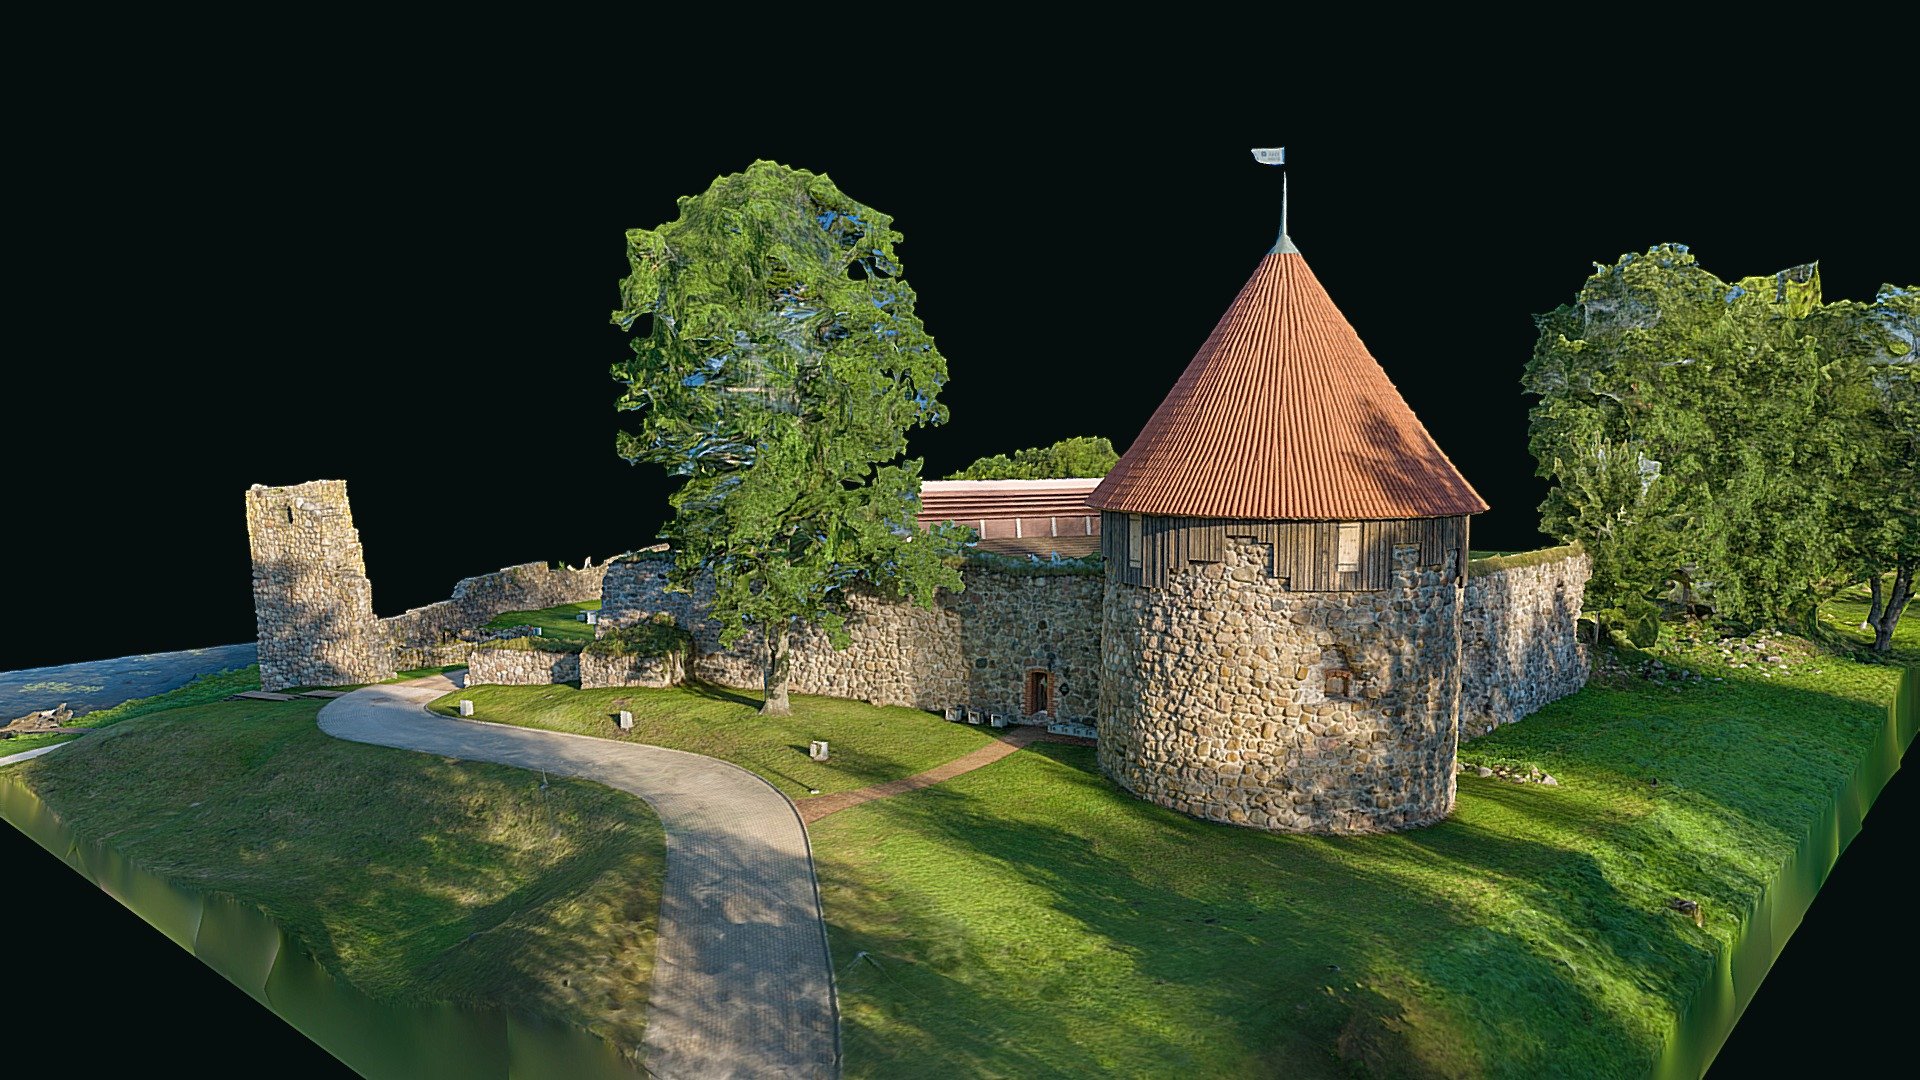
[
  {"x": 1148, "y": 943},
  {"x": 462, "y": 883},
  {"x": 715, "y": 692}
]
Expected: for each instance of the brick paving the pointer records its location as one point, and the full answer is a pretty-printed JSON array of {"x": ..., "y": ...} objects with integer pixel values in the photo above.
[
  {"x": 742, "y": 981},
  {"x": 812, "y": 810}
]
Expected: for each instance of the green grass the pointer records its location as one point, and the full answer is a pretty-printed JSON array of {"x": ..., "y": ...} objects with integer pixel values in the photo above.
[
  {"x": 1481, "y": 563},
  {"x": 530, "y": 643},
  {"x": 423, "y": 672},
  {"x": 869, "y": 744},
  {"x": 210, "y": 687},
  {"x": 1844, "y": 612},
  {"x": 561, "y": 621},
  {"x": 453, "y": 885},
  {"x": 1030, "y": 919}
]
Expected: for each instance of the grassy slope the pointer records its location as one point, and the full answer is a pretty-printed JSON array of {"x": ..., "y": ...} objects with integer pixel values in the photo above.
[
  {"x": 561, "y": 621},
  {"x": 869, "y": 744},
  {"x": 251, "y": 799},
  {"x": 1844, "y": 612},
  {"x": 203, "y": 688},
  {"x": 1029, "y": 919}
]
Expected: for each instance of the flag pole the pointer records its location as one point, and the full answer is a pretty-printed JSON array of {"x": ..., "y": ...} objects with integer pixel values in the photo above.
[{"x": 1277, "y": 155}]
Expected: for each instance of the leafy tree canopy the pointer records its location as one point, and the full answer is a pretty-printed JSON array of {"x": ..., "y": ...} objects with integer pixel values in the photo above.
[
  {"x": 1067, "y": 459},
  {"x": 779, "y": 369},
  {"x": 1738, "y": 437}
]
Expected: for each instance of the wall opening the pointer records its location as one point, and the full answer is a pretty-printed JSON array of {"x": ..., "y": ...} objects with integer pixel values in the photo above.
[
  {"x": 1348, "y": 557},
  {"x": 1039, "y": 692}
]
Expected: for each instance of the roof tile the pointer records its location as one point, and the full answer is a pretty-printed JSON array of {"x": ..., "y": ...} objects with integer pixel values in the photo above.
[{"x": 1284, "y": 415}]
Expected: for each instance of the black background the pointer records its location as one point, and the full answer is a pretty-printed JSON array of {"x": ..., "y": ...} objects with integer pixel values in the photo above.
[{"x": 397, "y": 272}]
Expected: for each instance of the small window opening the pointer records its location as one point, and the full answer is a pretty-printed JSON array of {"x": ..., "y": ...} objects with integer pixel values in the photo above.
[
  {"x": 289, "y": 515},
  {"x": 1349, "y": 561},
  {"x": 1133, "y": 541}
]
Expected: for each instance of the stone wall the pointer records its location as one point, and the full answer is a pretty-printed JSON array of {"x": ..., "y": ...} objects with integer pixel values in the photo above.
[
  {"x": 312, "y": 603},
  {"x": 599, "y": 669},
  {"x": 477, "y": 600},
  {"x": 521, "y": 667},
  {"x": 1517, "y": 641},
  {"x": 1220, "y": 695},
  {"x": 443, "y": 654},
  {"x": 973, "y": 648}
]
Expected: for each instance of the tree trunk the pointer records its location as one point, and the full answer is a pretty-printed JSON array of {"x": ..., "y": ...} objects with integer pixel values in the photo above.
[
  {"x": 1873, "y": 604},
  {"x": 779, "y": 664},
  {"x": 1897, "y": 599}
]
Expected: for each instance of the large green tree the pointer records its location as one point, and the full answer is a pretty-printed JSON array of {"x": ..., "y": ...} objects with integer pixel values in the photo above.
[
  {"x": 1879, "y": 388},
  {"x": 1702, "y": 432},
  {"x": 781, "y": 367}
]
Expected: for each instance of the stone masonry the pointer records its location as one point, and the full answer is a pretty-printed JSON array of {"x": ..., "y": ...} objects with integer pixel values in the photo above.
[
  {"x": 1518, "y": 643},
  {"x": 314, "y": 605},
  {"x": 599, "y": 669},
  {"x": 1221, "y": 698},
  {"x": 476, "y": 600},
  {"x": 312, "y": 602},
  {"x": 521, "y": 667},
  {"x": 975, "y": 648}
]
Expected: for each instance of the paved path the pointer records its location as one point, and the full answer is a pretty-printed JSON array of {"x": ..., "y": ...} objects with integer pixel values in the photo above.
[
  {"x": 742, "y": 982},
  {"x": 98, "y": 684}
]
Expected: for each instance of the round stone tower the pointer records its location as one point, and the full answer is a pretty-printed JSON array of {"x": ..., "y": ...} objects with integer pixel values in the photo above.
[{"x": 1285, "y": 555}]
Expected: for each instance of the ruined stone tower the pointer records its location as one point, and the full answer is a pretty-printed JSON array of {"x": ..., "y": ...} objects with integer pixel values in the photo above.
[
  {"x": 311, "y": 597},
  {"x": 1285, "y": 552}
]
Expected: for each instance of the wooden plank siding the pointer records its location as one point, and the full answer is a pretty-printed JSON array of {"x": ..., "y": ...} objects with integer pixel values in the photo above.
[{"x": 1305, "y": 553}]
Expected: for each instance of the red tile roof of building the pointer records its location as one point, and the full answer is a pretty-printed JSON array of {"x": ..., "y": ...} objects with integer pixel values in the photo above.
[
  {"x": 969, "y": 500},
  {"x": 1018, "y": 517},
  {"x": 1283, "y": 414}
]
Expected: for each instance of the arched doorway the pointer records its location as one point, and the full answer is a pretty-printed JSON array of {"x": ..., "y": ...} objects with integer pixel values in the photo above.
[{"x": 1039, "y": 692}]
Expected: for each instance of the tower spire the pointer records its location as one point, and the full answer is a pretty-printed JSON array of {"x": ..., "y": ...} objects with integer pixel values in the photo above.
[{"x": 1278, "y": 156}]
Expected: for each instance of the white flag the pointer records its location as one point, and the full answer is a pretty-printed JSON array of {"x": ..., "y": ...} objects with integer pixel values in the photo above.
[{"x": 1274, "y": 156}]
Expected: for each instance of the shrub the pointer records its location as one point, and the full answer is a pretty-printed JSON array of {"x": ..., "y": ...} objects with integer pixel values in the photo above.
[
  {"x": 655, "y": 637},
  {"x": 1025, "y": 566}
]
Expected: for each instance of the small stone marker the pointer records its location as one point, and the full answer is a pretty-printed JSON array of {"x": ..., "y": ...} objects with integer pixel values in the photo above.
[
  {"x": 997, "y": 720},
  {"x": 626, "y": 720},
  {"x": 466, "y": 707},
  {"x": 535, "y": 629},
  {"x": 817, "y": 751},
  {"x": 973, "y": 715},
  {"x": 591, "y": 618},
  {"x": 956, "y": 713}
]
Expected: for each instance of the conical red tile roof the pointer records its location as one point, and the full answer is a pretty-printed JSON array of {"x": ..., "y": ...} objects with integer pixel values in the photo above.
[{"x": 1283, "y": 414}]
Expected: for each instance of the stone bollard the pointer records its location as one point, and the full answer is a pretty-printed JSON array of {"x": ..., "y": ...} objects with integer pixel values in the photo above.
[
  {"x": 466, "y": 707},
  {"x": 626, "y": 720},
  {"x": 817, "y": 751}
]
